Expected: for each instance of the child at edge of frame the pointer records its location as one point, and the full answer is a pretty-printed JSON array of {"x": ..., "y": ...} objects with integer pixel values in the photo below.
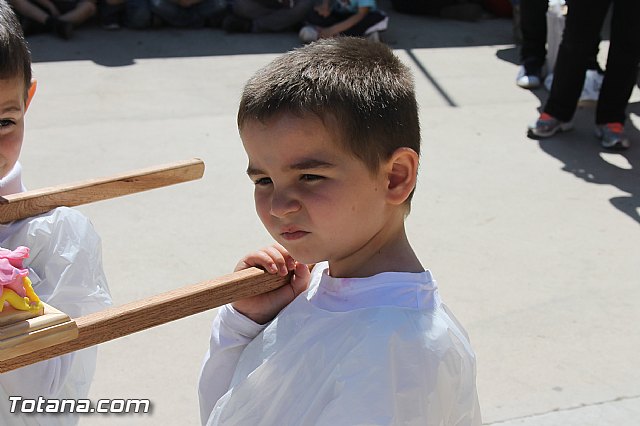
[
  {"x": 65, "y": 254},
  {"x": 332, "y": 136}
]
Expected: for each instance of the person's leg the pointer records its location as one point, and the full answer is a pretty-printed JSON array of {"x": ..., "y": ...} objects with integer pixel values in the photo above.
[
  {"x": 581, "y": 33},
  {"x": 170, "y": 12},
  {"x": 249, "y": 9},
  {"x": 370, "y": 19},
  {"x": 203, "y": 11},
  {"x": 533, "y": 22},
  {"x": 29, "y": 10},
  {"x": 313, "y": 18},
  {"x": 137, "y": 14},
  {"x": 622, "y": 62},
  {"x": 84, "y": 10},
  {"x": 284, "y": 18}
]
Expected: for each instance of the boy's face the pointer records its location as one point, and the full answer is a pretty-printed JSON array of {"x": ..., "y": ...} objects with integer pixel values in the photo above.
[
  {"x": 12, "y": 109},
  {"x": 314, "y": 198}
]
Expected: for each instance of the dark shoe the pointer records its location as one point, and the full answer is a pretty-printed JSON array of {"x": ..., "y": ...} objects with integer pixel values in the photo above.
[
  {"x": 612, "y": 136},
  {"x": 236, "y": 24}
]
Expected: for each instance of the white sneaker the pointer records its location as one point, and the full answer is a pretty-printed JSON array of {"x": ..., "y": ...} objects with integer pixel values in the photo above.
[
  {"x": 374, "y": 36},
  {"x": 527, "y": 81},
  {"x": 591, "y": 89},
  {"x": 308, "y": 34}
]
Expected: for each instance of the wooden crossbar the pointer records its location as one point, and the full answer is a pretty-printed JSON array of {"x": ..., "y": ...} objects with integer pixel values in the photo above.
[
  {"x": 31, "y": 203},
  {"x": 120, "y": 321}
]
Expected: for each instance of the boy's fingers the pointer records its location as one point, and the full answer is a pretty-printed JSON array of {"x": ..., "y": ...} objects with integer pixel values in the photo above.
[
  {"x": 278, "y": 258},
  {"x": 291, "y": 263},
  {"x": 259, "y": 258},
  {"x": 300, "y": 279}
]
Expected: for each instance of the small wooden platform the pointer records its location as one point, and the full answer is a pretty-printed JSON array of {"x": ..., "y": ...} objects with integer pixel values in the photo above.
[{"x": 24, "y": 332}]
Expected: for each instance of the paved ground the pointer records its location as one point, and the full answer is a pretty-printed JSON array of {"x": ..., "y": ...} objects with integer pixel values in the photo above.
[{"x": 534, "y": 244}]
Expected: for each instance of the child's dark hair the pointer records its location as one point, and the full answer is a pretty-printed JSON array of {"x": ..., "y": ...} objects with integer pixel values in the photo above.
[
  {"x": 15, "y": 58},
  {"x": 368, "y": 90}
]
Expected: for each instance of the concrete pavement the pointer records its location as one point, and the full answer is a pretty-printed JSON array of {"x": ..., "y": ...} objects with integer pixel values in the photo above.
[{"x": 534, "y": 244}]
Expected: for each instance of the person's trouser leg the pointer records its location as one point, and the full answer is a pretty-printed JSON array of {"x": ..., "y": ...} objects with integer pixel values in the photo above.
[
  {"x": 582, "y": 32},
  {"x": 533, "y": 23},
  {"x": 622, "y": 62},
  {"x": 137, "y": 13},
  {"x": 284, "y": 18}
]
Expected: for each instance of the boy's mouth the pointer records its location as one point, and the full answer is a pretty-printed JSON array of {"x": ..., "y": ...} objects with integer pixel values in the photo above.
[{"x": 293, "y": 234}]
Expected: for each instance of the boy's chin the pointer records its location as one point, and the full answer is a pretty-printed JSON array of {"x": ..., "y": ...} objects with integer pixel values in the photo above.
[{"x": 302, "y": 256}]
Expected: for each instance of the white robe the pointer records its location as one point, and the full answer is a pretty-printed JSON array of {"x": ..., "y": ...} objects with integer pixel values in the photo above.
[
  {"x": 382, "y": 350},
  {"x": 65, "y": 268}
]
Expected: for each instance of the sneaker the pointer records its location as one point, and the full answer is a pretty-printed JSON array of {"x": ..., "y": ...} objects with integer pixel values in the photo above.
[
  {"x": 612, "y": 136},
  {"x": 547, "y": 126},
  {"x": 308, "y": 34},
  {"x": 236, "y": 24},
  {"x": 527, "y": 80},
  {"x": 591, "y": 88},
  {"x": 373, "y": 36}
]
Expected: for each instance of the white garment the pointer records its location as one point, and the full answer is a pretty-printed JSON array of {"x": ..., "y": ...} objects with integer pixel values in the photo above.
[
  {"x": 381, "y": 350},
  {"x": 65, "y": 268}
]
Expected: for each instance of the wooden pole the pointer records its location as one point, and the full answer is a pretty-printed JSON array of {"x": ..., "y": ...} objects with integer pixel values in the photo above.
[
  {"x": 120, "y": 321},
  {"x": 31, "y": 203}
]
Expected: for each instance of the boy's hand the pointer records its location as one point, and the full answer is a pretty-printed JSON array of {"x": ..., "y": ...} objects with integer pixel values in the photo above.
[{"x": 276, "y": 260}]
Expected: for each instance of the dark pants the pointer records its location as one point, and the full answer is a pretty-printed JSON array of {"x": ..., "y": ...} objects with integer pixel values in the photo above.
[
  {"x": 533, "y": 23},
  {"x": 582, "y": 31},
  {"x": 357, "y": 30}
]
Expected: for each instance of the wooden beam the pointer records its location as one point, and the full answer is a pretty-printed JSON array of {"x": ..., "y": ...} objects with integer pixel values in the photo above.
[
  {"x": 31, "y": 203},
  {"x": 120, "y": 321}
]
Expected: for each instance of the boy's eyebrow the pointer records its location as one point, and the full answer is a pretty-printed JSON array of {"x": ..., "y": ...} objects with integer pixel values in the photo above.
[
  {"x": 10, "y": 108},
  {"x": 302, "y": 165}
]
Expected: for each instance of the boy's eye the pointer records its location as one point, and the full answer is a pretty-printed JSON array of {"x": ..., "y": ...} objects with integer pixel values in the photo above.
[
  {"x": 262, "y": 181},
  {"x": 6, "y": 123},
  {"x": 310, "y": 178}
]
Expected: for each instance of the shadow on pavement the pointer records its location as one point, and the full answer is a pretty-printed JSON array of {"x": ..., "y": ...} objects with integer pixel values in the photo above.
[
  {"x": 124, "y": 47},
  {"x": 582, "y": 156}
]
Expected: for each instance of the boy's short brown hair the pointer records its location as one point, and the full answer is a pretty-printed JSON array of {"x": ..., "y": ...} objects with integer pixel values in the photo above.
[
  {"x": 362, "y": 84},
  {"x": 15, "y": 58}
]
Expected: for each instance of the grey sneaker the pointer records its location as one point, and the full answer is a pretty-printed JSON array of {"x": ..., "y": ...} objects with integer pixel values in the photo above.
[
  {"x": 547, "y": 126},
  {"x": 612, "y": 136}
]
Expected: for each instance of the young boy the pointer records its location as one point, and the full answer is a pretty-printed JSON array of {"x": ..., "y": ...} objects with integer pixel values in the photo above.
[
  {"x": 332, "y": 136},
  {"x": 344, "y": 17},
  {"x": 65, "y": 262}
]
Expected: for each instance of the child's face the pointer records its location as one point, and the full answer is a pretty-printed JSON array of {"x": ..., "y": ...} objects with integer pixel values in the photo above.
[
  {"x": 12, "y": 109},
  {"x": 317, "y": 200}
]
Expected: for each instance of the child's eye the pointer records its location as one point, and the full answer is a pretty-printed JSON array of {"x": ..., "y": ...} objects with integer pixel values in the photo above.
[
  {"x": 6, "y": 123},
  {"x": 311, "y": 178},
  {"x": 262, "y": 181}
]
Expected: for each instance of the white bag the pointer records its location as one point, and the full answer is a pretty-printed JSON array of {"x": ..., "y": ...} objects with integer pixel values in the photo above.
[{"x": 555, "y": 26}]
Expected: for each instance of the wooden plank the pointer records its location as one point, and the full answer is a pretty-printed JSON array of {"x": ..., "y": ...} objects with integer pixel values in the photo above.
[
  {"x": 140, "y": 315},
  {"x": 31, "y": 203},
  {"x": 50, "y": 328}
]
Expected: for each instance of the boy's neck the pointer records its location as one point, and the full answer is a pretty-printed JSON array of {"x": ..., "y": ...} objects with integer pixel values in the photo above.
[{"x": 387, "y": 251}]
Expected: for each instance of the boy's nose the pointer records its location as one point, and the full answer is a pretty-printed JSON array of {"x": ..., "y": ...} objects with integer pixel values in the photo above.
[{"x": 283, "y": 204}]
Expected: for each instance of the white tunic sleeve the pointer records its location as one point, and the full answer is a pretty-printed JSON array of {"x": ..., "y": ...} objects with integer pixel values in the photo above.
[
  {"x": 65, "y": 267},
  {"x": 230, "y": 333}
]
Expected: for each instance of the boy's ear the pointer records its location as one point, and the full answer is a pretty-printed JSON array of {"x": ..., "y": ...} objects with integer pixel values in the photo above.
[
  {"x": 402, "y": 174},
  {"x": 31, "y": 92}
]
